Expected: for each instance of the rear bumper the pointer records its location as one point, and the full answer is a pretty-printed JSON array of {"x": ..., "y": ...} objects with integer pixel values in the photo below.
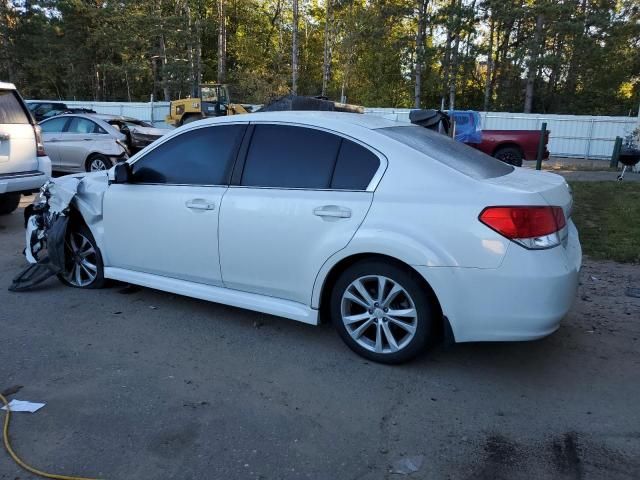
[
  {"x": 26, "y": 181},
  {"x": 524, "y": 299}
]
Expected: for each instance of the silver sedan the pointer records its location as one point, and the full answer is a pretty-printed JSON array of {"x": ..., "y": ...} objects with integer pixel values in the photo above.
[{"x": 82, "y": 142}]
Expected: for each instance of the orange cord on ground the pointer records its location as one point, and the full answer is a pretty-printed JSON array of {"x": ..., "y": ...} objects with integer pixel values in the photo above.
[{"x": 7, "y": 445}]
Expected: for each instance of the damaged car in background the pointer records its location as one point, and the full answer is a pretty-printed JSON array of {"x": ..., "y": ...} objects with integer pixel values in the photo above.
[
  {"x": 92, "y": 142},
  {"x": 398, "y": 235}
]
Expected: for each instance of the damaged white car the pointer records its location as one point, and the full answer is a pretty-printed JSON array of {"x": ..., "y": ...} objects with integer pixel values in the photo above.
[{"x": 398, "y": 235}]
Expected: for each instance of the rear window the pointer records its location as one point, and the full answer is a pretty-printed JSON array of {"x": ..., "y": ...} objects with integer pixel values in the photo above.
[
  {"x": 456, "y": 155},
  {"x": 11, "y": 110}
]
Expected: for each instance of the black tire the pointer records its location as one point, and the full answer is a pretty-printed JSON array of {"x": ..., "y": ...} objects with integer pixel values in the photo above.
[
  {"x": 412, "y": 285},
  {"x": 77, "y": 231},
  {"x": 511, "y": 155},
  {"x": 9, "y": 202},
  {"x": 96, "y": 158}
]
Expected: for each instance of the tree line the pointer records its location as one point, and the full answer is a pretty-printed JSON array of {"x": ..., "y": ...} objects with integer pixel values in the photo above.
[{"x": 552, "y": 56}]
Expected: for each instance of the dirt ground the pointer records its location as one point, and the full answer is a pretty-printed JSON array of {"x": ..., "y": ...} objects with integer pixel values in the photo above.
[{"x": 141, "y": 384}]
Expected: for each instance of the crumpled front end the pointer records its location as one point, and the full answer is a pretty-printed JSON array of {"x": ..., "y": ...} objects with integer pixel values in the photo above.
[{"x": 59, "y": 202}]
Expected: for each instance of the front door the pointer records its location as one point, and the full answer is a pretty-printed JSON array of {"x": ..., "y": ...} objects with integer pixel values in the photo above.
[{"x": 165, "y": 221}]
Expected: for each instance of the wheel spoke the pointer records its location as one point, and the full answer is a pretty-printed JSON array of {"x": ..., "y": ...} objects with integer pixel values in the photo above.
[
  {"x": 406, "y": 312},
  {"x": 378, "y": 338},
  {"x": 405, "y": 326},
  {"x": 348, "y": 320},
  {"x": 77, "y": 273},
  {"x": 391, "y": 340},
  {"x": 87, "y": 252},
  {"x": 357, "y": 333},
  {"x": 395, "y": 290},
  {"x": 382, "y": 284},
  {"x": 359, "y": 286},
  {"x": 89, "y": 266},
  {"x": 350, "y": 296}
]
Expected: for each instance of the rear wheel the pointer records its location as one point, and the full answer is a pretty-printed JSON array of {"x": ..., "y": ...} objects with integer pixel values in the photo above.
[
  {"x": 83, "y": 266},
  {"x": 98, "y": 162},
  {"x": 9, "y": 202},
  {"x": 382, "y": 311},
  {"x": 511, "y": 155}
]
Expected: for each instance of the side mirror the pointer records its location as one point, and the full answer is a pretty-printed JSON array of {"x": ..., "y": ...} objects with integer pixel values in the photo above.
[{"x": 122, "y": 173}]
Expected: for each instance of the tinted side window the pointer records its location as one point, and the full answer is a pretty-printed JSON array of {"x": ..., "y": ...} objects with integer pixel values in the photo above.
[
  {"x": 355, "y": 168},
  {"x": 11, "y": 110},
  {"x": 290, "y": 157},
  {"x": 198, "y": 157},
  {"x": 54, "y": 125}
]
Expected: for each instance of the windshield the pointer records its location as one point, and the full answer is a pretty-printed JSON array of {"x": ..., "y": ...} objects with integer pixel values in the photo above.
[
  {"x": 459, "y": 156},
  {"x": 214, "y": 94}
]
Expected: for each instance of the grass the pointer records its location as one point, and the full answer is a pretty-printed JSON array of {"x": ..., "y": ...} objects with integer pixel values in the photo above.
[{"x": 607, "y": 215}]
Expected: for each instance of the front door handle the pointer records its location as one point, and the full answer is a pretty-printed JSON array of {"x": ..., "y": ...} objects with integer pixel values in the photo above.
[
  {"x": 332, "y": 211},
  {"x": 200, "y": 204}
]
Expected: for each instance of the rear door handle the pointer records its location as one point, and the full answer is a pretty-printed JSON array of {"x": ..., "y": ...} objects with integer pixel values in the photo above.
[
  {"x": 332, "y": 211},
  {"x": 200, "y": 204}
]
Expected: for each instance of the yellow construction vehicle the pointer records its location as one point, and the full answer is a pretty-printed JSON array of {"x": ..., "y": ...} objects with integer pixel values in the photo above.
[{"x": 213, "y": 101}]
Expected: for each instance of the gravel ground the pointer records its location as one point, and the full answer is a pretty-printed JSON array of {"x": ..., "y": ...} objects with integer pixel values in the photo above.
[{"x": 141, "y": 384}]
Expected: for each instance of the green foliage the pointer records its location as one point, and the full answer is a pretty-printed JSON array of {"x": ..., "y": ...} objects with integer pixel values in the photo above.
[
  {"x": 585, "y": 58},
  {"x": 606, "y": 215}
]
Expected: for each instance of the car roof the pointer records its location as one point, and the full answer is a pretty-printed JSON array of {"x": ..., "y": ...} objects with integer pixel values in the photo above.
[
  {"x": 106, "y": 116},
  {"x": 7, "y": 86},
  {"x": 314, "y": 118}
]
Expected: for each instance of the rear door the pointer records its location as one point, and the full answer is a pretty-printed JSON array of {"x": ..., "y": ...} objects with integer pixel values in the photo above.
[
  {"x": 51, "y": 136},
  {"x": 78, "y": 141},
  {"x": 301, "y": 196},
  {"x": 17, "y": 137}
]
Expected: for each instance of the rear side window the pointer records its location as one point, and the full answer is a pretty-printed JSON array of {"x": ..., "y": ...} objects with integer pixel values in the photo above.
[
  {"x": 11, "y": 110},
  {"x": 443, "y": 149},
  {"x": 82, "y": 125},
  {"x": 285, "y": 156},
  {"x": 54, "y": 125},
  {"x": 203, "y": 156},
  {"x": 355, "y": 167}
]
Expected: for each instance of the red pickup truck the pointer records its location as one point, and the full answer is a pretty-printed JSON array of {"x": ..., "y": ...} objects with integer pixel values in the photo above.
[{"x": 512, "y": 146}]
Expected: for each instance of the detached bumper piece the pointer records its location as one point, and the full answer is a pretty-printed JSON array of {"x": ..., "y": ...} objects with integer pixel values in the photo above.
[{"x": 50, "y": 265}]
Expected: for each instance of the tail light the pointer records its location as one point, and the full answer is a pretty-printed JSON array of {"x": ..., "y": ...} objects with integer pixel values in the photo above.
[
  {"x": 39, "y": 145},
  {"x": 534, "y": 227}
]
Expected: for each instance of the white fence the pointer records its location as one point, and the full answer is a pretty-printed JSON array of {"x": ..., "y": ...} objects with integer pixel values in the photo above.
[
  {"x": 153, "y": 112},
  {"x": 581, "y": 136}
]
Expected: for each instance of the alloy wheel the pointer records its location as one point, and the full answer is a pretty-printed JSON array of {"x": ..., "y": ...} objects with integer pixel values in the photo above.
[
  {"x": 97, "y": 164},
  {"x": 379, "y": 314},
  {"x": 82, "y": 260}
]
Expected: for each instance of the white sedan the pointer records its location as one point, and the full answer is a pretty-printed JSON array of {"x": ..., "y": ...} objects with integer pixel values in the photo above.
[{"x": 396, "y": 234}]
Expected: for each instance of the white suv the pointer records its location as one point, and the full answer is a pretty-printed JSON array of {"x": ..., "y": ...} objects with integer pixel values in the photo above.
[{"x": 24, "y": 165}]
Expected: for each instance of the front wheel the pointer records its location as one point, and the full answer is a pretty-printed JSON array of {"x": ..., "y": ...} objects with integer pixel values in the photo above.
[
  {"x": 83, "y": 267},
  {"x": 97, "y": 163},
  {"x": 382, "y": 311}
]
